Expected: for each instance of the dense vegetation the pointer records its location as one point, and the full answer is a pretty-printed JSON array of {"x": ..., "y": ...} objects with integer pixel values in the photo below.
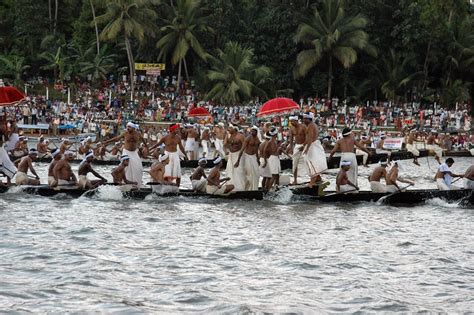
[{"x": 406, "y": 50}]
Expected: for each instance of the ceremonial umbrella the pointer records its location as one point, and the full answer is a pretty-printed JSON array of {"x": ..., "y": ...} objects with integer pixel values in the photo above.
[
  {"x": 278, "y": 106},
  {"x": 9, "y": 95},
  {"x": 199, "y": 112}
]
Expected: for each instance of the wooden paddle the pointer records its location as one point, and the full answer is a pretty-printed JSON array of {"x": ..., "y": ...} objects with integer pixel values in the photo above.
[{"x": 341, "y": 193}]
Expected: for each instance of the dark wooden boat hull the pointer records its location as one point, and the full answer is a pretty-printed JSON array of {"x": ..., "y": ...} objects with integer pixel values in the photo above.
[
  {"x": 465, "y": 197},
  {"x": 287, "y": 163}
]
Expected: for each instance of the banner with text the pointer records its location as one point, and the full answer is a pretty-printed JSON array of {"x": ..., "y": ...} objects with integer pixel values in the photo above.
[
  {"x": 150, "y": 66},
  {"x": 393, "y": 143}
]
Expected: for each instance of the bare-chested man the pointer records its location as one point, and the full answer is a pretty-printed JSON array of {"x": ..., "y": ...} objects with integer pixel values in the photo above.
[
  {"x": 433, "y": 145},
  {"x": 25, "y": 164},
  {"x": 296, "y": 147},
  {"x": 42, "y": 147},
  {"x": 315, "y": 156},
  {"x": 377, "y": 174},
  {"x": 469, "y": 178},
  {"x": 191, "y": 135},
  {"x": 63, "y": 173},
  {"x": 162, "y": 184},
  {"x": 379, "y": 148},
  {"x": 199, "y": 178},
  {"x": 7, "y": 167},
  {"x": 215, "y": 183},
  {"x": 220, "y": 135},
  {"x": 264, "y": 167},
  {"x": 411, "y": 146},
  {"x": 346, "y": 145},
  {"x": 132, "y": 139},
  {"x": 251, "y": 159},
  {"x": 85, "y": 168},
  {"x": 205, "y": 138},
  {"x": 392, "y": 179},
  {"x": 57, "y": 156},
  {"x": 65, "y": 146},
  {"x": 118, "y": 174},
  {"x": 86, "y": 146},
  {"x": 271, "y": 154},
  {"x": 234, "y": 143},
  {"x": 116, "y": 150},
  {"x": 21, "y": 147},
  {"x": 366, "y": 141},
  {"x": 172, "y": 142},
  {"x": 343, "y": 183}
]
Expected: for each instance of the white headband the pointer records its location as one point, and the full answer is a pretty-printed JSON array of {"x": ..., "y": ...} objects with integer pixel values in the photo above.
[
  {"x": 217, "y": 161},
  {"x": 347, "y": 133},
  {"x": 308, "y": 115},
  {"x": 132, "y": 125},
  {"x": 202, "y": 160},
  {"x": 90, "y": 154},
  {"x": 273, "y": 132},
  {"x": 55, "y": 153},
  {"x": 293, "y": 118},
  {"x": 346, "y": 163},
  {"x": 383, "y": 163},
  {"x": 254, "y": 128},
  {"x": 33, "y": 151},
  {"x": 164, "y": 157}
]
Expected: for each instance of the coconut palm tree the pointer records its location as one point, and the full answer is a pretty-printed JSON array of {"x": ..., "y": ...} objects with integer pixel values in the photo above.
[
  {"x": 131, "y": 19},
  {"x": 98, "y": 65},
  {"x": 234, "y": 76},
  {"x": 14, "y": 65},
  {"x": 332, "y": 33},
  {"x": 180, "y": 33}
]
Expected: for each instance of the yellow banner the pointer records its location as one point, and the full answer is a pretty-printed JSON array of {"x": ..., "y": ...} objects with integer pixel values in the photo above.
[{"x": 150, "y": 66}]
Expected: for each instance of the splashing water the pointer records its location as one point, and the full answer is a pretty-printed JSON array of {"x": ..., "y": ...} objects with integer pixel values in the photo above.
[
  {"x": 442, "y": 203},
  {"x": 109, "y": 193},
  {"x": 283, "y": 196}
]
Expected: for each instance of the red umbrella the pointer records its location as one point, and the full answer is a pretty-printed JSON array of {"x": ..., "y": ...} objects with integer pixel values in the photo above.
[
  {"x": 278, "y": 106},
  {"x": 9, "y": 95},
  {"x": 198, "y": 112}
]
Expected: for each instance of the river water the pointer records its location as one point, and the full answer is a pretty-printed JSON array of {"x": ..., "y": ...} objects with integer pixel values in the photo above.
[{"x": 181, "y": 255}]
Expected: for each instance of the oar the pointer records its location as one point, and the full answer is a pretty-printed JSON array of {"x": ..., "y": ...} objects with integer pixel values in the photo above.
[
  {"x": 341, "y": 193},
  {"x": 381, "y": 200}
]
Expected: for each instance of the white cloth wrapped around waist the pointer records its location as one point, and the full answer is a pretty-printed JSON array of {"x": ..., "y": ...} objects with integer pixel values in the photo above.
[
  {"x": 21, "y": 178},
  {"x": 377, "y": 187},
  {"x": 199, "y": 184},
  {"x": 190, "y": 144},
  {"x": 468, "y": 183},
  {"x": 299, "y": 164},
  {"x": 51, "y": 180},
  {"x": 236, "y": 174},
  {"x": 83, "y": 182},
  {"x": 264, "y": 171},
  {"x": 348, "y": 189},
  {"x": 252, "y": 172},
  {"x": 6, "y": 165},
  {"x": 412, "y": 148},
  {"x": 173, "y": 169},
  {"x": 134, "y": 170},
  {"x": 66, "y": 184},
  {"x": 316, "y": 159},
  {"x": 214, "y": 190},
  {"x": 353, "y": 171},
  {"x": 274, "y": 165}
]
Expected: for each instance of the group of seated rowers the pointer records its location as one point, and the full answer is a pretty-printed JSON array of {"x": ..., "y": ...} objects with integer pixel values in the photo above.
[{"x": 443, "y": 178}]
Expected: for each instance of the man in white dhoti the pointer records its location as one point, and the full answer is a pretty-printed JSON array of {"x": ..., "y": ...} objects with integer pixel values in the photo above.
[
  {"x": 365, "y": 141},
  {"x": 346, "y": 146},
  {"x": 249, "y": 153},
  {"x": 205, "y": 138},
  {"x": 173, "y": 147},
  {"x": 25, "y": 164},
  {"x": 433, "y": 145},
  {"x": 220, "y": 135},
  {"x": 271, "y": 154},
  {"x": 6, "y": 165},
  {"x": 411, "y": 146},
  {"x": 377, "y": 174},
  {"x": 190, "y": 147},
  {"x": 343, "y": 183},
  {"x": 236, "y": 172},
  {"x": 295, "y": 148},
  {"x": 313, "y": 152},
  {"x": 132, "y": 139},
  {"x": 444, "y": 176},
  {"x": 215, "y": 185},
  {"x": 198, "y": 177}
]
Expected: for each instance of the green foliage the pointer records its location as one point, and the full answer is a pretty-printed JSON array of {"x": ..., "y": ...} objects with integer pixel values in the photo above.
[{"x": 234, "y": 76}]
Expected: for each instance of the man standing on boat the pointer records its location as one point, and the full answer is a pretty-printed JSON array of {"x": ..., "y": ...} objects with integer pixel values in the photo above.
[
  {"x": 377, "y": 174},
  {"x": 191, "y": 136},
  {"x": 313, "y": 151},
  {"x": 444, "y": 176},
  {"x": 85, "y": 168},
  {"x": 433, "y": 145},
  {"x": 220, "y": 135},
  {"x": 172, "y": 142},
  {"x": 296, "y": 146},
  {"x": 132, "y": 138},
  {"x": 346, "y": 146},
  {"x": 215, "y": 184},
  {"x": 411, "y": 146},
  {"x": 271, "y": 154},
  {"x": 205, "y": 138},
  {"x": 234, "y": 143},
  {"x": 469, "y": 178},
  {"x": 63, "y": 173},
  {"x": 251, "y": 159},
  {"x": 23, "y": 166},
  {"x": 366, "y": 142}
]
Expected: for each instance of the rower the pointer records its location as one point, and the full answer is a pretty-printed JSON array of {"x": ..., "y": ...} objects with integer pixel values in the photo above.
[
  {"x": 343, "y": 183},
  {"x": 63, "y": 173},
  {"x": 411, "y": 147},
  {"x": 315, "y": 156},
  {"x": 251, "y": 160},
  {"x": 346, "y": 145},
  {"x": 56, "y": 155},
  {"x": 296, "y": 146},
  {"x": 215, "y": 183},
  {"x": 86, "y": 146},
  {"x": 271, "y": 154},
  {"x": 198, "y": 178},
  {"x": 132, "y": 137},
  {"x": 172, "y": 142},
  {"x": 42, "y": 147},
  {"x": 365, "y": 141},
  {"x": 234, "y": 143},
  {"x": 65, "y": 145},
  {"x": 21, "y": 147},
  {"x": 27, "y": 163},
  {"x": 116, "y": 149},
  {"x": 392, "y": 178},
  {"x": 143, "y": 151},
  {"x": 444, "y": 176},
  {"x": 86, "y": 167},
  {"x": 161, "y": 183},
  {"x": 220, "y": 134},
  {"x": 469, "y": 178},
  {"x": 374, "y": 179},
  {"x": 379, "y": 149},
  {"x": 118, "y": 174}
]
